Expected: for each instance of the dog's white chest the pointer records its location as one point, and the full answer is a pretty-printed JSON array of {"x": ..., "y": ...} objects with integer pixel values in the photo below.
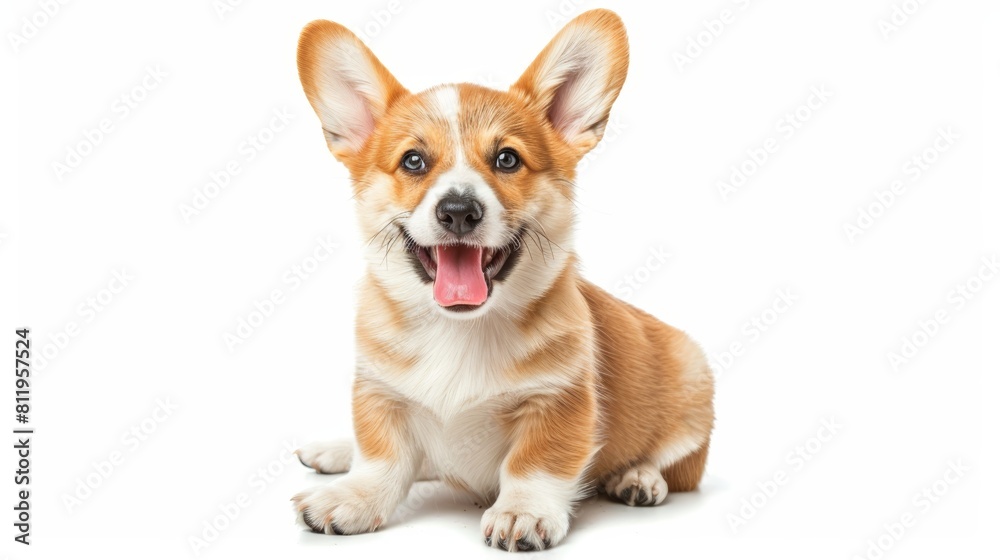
[
  {"x": 468, "y": 448},
  {"x": 459, "y": 388},
  {"x": 457, "y": 367}
]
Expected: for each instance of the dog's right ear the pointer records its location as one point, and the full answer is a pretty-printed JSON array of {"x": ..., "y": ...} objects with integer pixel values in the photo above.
[{"x": 346, "y": 85}]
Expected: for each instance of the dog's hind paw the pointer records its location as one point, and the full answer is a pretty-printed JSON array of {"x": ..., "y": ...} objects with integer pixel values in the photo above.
[
  {"x": 327, "y": 457},
  {"x": 642, "y": 485}
]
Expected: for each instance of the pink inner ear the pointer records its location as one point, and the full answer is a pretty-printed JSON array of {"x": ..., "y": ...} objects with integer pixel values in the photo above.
[
  {"x": 348, "y": 118},
  {"x": 559, "y": 114},
  {"x": 350, "y": 95},
  {"x": 362, "y": 122}
]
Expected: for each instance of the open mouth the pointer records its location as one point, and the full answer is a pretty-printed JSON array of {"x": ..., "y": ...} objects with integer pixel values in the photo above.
[{"x": 462, "y": 274}]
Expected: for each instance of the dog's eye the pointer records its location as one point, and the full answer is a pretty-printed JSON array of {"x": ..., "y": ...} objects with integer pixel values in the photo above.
[
  {"x": 413, "y": 162},
  {"x": 507, "y": 161}
]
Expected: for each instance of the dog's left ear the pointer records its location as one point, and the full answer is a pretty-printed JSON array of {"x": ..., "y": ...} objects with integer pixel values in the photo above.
[{"x": 577, "y": 77}]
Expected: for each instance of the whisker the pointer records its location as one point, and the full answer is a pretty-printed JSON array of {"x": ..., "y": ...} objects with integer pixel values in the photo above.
[
  {"x": 388, "y": 249},
  {"x": 550, "y": 242},
  {"x": 391, "y": 221},
  {"x": 528, "y": 249},
  {"x": 572, "y": 187},
  {"x": 534, "y": 236}
]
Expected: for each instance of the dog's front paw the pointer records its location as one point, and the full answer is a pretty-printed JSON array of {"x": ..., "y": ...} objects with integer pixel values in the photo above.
[
  {"x": 339, "y": 509},
  {"x": 519, "y": 527}
]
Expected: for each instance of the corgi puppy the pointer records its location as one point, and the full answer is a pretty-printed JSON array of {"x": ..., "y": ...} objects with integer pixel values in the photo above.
[{"x": 484, "y": 359}]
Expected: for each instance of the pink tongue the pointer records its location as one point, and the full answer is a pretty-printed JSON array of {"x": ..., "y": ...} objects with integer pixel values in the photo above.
[{"x": 459, "y": 279}]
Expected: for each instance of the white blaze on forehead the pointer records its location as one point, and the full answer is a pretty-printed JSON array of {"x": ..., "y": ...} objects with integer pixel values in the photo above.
[
  {"x": 447, "y": 101},
  {"x": 459, "y": 178}
]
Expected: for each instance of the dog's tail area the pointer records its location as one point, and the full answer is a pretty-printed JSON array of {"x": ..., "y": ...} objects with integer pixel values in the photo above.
[{"x": 684, "y": 475}]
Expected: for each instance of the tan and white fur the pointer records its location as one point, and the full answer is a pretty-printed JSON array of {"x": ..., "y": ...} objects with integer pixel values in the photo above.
[{"x": 540, "y": 389}]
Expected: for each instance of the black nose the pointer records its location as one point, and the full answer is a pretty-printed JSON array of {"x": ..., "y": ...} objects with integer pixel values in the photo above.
[{"x": 459, "y": 214}]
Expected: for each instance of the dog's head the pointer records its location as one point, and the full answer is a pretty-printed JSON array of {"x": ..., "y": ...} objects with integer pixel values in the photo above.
[{"x": 464, "y": 192}]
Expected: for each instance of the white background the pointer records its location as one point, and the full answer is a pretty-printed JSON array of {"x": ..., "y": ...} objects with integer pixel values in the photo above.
[{"x": 652, "y": 186}]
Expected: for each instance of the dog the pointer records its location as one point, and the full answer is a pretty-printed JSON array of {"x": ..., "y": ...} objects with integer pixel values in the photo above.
[{"x": 483, "y": 358}]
